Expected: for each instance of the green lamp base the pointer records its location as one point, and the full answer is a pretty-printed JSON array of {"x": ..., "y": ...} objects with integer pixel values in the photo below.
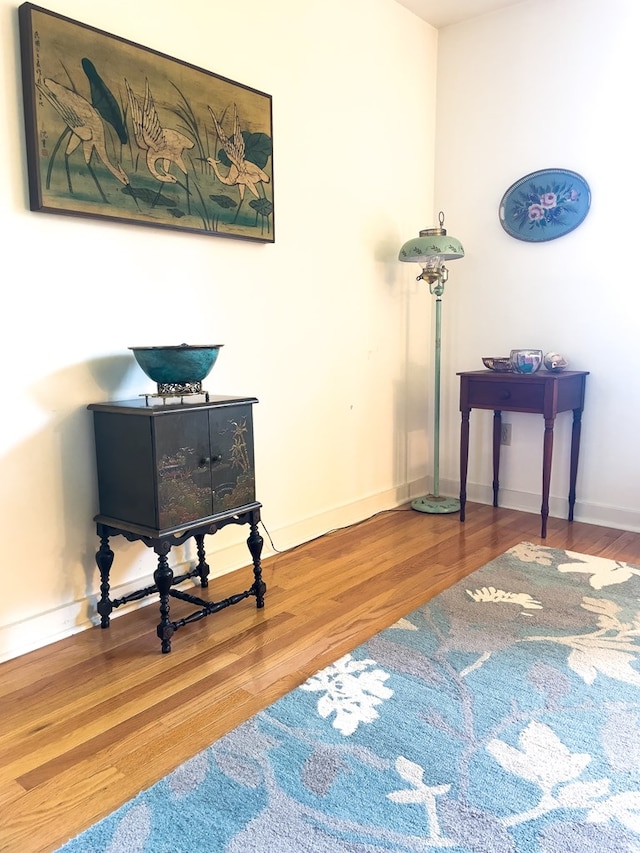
[{"x": 433, "y": 504}]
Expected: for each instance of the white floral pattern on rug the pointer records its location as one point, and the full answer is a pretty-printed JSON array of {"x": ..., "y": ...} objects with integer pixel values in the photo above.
[
  {"x": 420, "y": 793},
  {"x": 490, "y": 593},
  {"x": 351, "y": 690},
  {"x": 546, "y": 762},
  {"x": 611, "y": 649},
  {"x": 603, "y": 572},
  {"x": 530, "y": 553}
]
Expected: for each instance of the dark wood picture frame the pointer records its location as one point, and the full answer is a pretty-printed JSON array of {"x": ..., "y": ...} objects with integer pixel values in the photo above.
[{"x": 121, "y": 132}]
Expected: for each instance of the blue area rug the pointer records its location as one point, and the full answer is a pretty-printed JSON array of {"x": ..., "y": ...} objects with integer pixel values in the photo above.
[{"x": 504, "y": 715}]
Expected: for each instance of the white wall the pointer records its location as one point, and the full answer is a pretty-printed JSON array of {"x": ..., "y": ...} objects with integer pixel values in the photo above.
[
  {"x": 317, "y": 326},
  {"x": 545, "y": 84}
]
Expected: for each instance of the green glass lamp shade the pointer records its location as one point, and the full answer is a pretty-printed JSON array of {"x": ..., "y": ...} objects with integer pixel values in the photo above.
[
  {"x": 419, "y": 250},
  {"x": 432, "y": 247}
]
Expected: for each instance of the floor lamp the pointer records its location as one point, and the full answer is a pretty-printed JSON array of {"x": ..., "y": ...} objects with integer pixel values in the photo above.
[{"x": 431, "y": 249}]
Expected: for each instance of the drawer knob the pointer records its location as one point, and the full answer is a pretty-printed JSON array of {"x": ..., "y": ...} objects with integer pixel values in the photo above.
[{"x": 505, "y": 395}]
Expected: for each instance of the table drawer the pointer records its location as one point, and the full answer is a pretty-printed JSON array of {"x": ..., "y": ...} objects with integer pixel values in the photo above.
[{"x": 508, "y": 396}]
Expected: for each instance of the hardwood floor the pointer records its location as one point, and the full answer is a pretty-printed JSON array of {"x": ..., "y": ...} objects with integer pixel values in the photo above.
[{"x": 88, "y": 722}]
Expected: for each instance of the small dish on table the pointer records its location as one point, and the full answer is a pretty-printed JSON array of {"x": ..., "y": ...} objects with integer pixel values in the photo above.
[{"x": 501, "y": 364}]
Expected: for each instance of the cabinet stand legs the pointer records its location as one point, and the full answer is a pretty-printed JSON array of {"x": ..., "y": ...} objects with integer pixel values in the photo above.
[
  {"x": 104, "y": 561},
  {"x": 163, "y": 576},
  {"x": 166, "y": 584},
  {"x": 254, "y": 543},
  {"x": 203, "y": 566}
]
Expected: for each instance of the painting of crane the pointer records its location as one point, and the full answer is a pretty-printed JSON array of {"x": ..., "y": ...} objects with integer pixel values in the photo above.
[
  {"x": 118, "y": 131},
  {"x": 86, "y": 129}
]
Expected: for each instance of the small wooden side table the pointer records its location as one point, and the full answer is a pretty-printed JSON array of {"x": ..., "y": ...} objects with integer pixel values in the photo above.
[{"x": 542, "y": 393}]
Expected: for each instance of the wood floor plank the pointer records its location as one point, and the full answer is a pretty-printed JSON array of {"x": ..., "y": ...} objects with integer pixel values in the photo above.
[{"x": 88, "y": 722}]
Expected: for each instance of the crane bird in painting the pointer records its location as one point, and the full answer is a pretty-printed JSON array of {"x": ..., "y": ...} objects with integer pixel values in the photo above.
[
  {"x": 242, "y": 173},
  {"x": 87, "y": 129},
  {"x": 164, "y": 146}
]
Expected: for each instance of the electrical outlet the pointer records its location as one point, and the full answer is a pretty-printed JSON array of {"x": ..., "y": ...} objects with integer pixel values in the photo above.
[{"x": 505, "y": 434}]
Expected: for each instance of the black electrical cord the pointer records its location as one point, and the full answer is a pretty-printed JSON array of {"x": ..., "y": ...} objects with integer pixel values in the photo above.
[{"x": 333, "y": 530}]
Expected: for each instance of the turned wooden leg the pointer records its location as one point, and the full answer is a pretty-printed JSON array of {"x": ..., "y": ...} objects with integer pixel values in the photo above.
[
  {"x": 104, "y": 561},
  {"x": 203, "y": 566},
  {"x": 255, "y": 542},
  {"x": 163, "y": 577}
]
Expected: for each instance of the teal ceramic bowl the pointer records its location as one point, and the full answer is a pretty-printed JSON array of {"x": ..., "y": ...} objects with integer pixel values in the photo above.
[{"x": 177, "y": 365}]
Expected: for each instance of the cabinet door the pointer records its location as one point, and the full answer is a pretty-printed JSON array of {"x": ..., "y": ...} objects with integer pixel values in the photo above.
[
  {"x": 183, "y": 461},
  {"x": 232, "y": 464}
]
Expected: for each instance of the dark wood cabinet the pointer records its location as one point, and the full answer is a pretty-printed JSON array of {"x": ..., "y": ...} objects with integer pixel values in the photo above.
[
  {"x": 168, "y": 471},
  {"x": 165, "y": 466}
]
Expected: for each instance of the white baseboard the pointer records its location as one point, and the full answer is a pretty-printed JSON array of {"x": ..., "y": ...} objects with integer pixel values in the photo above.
[
  {"x": 64, "y": 621},
  {"x": 620, "y": 518},
  {"x": 41, "y": 630}
]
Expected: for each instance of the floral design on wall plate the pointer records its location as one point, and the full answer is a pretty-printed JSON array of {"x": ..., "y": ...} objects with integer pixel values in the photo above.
[{"x": 545, "y": 205}]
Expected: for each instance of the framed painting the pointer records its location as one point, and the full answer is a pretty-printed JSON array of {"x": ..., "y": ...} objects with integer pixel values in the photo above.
[{"x": 121, "y": 132}]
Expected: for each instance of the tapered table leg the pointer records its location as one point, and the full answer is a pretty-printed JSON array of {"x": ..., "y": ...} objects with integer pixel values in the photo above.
[
  {"x": 547, "y": 455},
  {"x": 497, "y": 434},
  {"x": 464, "y": 460},
  {"x": 575, "y": 451}
]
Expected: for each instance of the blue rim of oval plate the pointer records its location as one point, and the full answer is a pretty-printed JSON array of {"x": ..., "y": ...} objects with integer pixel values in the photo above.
[{"x": 545, "y": 205}]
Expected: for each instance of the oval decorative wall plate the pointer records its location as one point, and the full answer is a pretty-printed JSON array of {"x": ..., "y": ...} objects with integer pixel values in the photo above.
[{"x": 545, "y": 205}]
